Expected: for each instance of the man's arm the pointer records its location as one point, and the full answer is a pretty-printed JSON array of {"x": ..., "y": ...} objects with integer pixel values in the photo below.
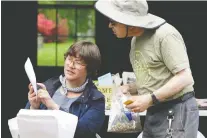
[
  {"x": 174, "y": 85},
  {"x": 174, "y": 55}
]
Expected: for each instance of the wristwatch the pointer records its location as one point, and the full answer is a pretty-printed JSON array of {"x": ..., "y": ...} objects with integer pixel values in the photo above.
[{"x": 155, "y": 101}]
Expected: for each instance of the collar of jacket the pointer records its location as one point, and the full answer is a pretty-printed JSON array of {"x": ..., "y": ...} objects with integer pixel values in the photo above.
[{"x": 90, "y": 92}]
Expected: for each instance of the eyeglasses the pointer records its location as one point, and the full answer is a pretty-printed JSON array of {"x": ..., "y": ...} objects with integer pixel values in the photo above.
[{"x": 77, "y": 63}]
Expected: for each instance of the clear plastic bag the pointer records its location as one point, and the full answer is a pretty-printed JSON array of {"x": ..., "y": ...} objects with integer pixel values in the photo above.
[{"x": 121, "y": 119}]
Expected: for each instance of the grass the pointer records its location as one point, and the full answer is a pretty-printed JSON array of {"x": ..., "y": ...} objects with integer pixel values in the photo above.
[{"x": 47, "y": 53}]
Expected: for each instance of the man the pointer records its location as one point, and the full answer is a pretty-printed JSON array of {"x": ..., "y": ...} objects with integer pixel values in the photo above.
[{"x": 160, "y": 62}]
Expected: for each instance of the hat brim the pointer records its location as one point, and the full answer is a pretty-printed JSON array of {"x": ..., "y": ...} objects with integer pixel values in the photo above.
[{"x": 148, "y": 21}]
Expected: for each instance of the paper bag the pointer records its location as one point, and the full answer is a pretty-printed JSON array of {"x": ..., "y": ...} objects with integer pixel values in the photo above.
[
  {"x": 13, "y": 127},
  {"x": 46, "y": 124}
]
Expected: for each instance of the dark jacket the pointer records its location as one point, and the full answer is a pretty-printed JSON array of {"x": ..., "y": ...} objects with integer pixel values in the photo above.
[{"x": 90, "y": 108}]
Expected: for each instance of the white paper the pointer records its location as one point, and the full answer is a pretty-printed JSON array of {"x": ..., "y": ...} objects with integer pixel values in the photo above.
[
  {"x": 128, "y": 77},
  {"x": 105, "y": 80},
  {"x": 31, "y": 74},
  {"x": 117, "y": 80},
  {"x": 13, "y": 127},
  {"x": 46, "y": 124}
]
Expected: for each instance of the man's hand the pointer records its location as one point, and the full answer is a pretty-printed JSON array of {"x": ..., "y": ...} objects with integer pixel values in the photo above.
[
  {"x": 45, "y": 98},
  {"x": 140, "y": 103},
  {"x": 35, "y": 103}
]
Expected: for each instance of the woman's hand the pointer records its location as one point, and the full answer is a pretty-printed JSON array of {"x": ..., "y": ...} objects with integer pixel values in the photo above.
[
  {"x": 45, "y": 98},
  {"x": 35, "y": 103}
]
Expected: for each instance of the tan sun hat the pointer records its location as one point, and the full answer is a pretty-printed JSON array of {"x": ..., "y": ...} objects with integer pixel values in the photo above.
[{"x": 129, "y": 12}]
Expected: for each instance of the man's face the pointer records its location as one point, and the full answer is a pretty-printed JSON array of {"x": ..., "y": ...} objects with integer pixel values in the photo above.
[{"x": 118, "y": 29}]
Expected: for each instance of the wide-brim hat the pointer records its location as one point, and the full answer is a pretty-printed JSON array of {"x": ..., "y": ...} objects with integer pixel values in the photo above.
[{"x": 129, "y": 12}]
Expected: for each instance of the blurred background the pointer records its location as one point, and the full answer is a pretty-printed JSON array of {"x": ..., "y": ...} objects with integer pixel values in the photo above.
[{"x": 60, "y": 26}]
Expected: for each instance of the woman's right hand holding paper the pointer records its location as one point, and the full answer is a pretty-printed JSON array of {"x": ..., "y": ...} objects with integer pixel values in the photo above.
[{"x": 35, "y": 103}]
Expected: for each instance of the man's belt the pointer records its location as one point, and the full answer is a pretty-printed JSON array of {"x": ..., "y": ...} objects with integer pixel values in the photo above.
[{"x": 168, "y": 104}]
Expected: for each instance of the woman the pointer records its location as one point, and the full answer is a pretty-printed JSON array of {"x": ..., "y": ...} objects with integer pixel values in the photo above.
[{"x": 74, "y": 92}]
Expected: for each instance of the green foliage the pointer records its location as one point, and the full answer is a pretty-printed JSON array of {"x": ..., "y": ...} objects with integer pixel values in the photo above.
[
  {"x": 74, "y": 2},
  {"x": 49, "y": 13},
  {"x": 69, "y": 14},
  {"x": 85, "y": 19},
  {"x": 52, "y": 2}
]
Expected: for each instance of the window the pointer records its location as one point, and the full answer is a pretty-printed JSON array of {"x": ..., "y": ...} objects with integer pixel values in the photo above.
[{"x": 59, "y": 24}]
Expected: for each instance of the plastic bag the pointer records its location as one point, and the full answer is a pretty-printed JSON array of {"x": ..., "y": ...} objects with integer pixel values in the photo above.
[{"x": 121, "y": 119}]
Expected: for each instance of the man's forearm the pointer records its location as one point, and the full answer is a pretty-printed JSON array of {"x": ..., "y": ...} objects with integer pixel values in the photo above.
[{"x": 174, "y": 85}]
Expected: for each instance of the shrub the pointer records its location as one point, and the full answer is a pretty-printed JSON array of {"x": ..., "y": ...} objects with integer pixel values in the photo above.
[{"x": 48, "y": 28}]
